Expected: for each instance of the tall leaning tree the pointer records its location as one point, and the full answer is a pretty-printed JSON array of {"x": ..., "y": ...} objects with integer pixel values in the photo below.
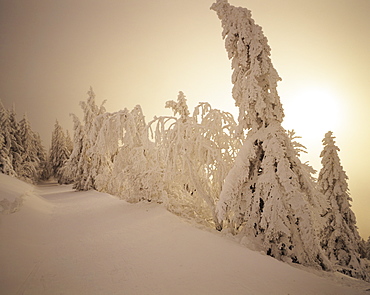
[
  {"x": 340, "y": 237},
  {"x": 267, "y": 196}
]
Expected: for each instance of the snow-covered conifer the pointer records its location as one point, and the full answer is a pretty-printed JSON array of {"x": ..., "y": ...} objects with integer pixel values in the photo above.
[
  {"x": 267, "y": 195},
  {"x": 16, "y": 149},
  {"x": 6, "y": 134},
  {"x": 69, "y": 142},
  {"x": 70, "y": 171},
  {"x": 59, "y": 152},
  {"x": 300, "y": 148},
  {"x": 85, "y": 176},
  {"x": 367, "y": 249},
  {"x": 30, "y": 157},
  {"x": 106, "y": 148},
  {"x": 21, "y": 151},
  {"x": 254, "y": 77},
  {"x": 340, "y": 238},
  {"x": 136, "y": 173},
  {"x": 108, "y": 130},
  {"x": 5, "y": 162},
  {"x": 42, "y": 156},
  {"x": 179, "y": 107},
  {"x": 362, "y": 248}
]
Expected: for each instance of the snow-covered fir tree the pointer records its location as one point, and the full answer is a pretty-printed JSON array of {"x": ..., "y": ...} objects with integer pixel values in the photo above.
[
  {"x": 84, "y": 178},
  {"x": 6, "y": 138},
  {"x": 69, "y": 172},
  {"x": 43, "y": 159},
  {"x": 108, "y": 130},
  {"x": 362, "y": 248},
  {"x": 5, "y": 161},
  {"x": 367, "y": 249},
  {"x": 21, "y": 152},
  {"x": 69, "y": 142},
  {"x": 106, "y": 148},
  {"x": 93, "y": 151},
  {"x": 254, "y": 77},
  {"x": 300, "y": 148},
  {"x": 136, "y": 174},
  {"x": 340, "y": 238},
  {"x": 268, "y": 195},
  {"x": 112, "y": 154},
  {"x": 31, "y": 166},
  {"x": 16, "y": 149},
  {"x": 59, "y": 152}
]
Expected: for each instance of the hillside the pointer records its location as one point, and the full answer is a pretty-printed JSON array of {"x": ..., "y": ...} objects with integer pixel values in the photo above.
[{"x": 66, "y": 242}]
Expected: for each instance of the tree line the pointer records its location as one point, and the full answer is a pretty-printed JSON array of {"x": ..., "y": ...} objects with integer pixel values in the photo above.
[{"x": 22, "y": 154}]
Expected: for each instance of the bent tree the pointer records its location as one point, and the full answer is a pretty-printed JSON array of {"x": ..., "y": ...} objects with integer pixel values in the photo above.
[{"x": 268, "y": 195}]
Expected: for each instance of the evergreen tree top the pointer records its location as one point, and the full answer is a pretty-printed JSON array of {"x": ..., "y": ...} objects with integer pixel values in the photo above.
[
  {"x": 254, "y": 77},
  {"x": 332, "y": 179},
  {"x": 329, "y": 140},
  {"x": 180, "y": 107}
]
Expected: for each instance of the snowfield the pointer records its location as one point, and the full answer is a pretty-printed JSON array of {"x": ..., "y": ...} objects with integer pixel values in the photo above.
[
  {"x": 12, "y": 192},
  {"x": 66, "y": 242}
]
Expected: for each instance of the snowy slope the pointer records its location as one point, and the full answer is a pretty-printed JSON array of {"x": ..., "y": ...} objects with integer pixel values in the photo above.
[
  {"x": 65, "y": 242},
  {"x": 12, "y": 192}
]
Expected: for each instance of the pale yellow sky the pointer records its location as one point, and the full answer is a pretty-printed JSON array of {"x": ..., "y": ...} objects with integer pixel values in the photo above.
[{"x": 144, "y": 52}]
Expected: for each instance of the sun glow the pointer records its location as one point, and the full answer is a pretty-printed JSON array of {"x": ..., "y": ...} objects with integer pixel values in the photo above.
[{"x": 313, "y": 111}]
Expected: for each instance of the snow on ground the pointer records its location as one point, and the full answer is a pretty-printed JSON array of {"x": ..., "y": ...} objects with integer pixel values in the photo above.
[
  {"x": 12, "y": 192},
  {"x": 66, "y": 242}
]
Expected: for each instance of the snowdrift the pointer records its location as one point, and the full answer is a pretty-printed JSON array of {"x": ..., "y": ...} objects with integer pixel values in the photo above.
[
  {"x": 12, "y": 192},
  {"x": 66, "y": 242}
]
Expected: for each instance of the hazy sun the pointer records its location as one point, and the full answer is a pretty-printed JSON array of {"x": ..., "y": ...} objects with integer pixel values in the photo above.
[{"x": 313, "y": 111}]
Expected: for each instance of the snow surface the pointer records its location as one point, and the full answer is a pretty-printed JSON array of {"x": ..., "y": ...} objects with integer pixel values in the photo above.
[
  {"x": 12, "y": 192},
  {"x": 66, "y": 242}
]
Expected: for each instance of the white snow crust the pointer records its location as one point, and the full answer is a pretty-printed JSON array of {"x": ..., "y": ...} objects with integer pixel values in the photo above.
[
  {"x": 11, "y": 193},
  {"x": 67, "y": 242}
]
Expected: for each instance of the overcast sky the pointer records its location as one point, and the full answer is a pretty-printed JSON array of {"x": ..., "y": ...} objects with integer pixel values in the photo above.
[{"x": 144, "y": 52}]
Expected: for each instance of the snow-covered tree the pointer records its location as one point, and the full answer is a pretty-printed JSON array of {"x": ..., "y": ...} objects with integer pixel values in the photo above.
[
  {"x": 106, "y": 148},
  {"x": 108, "y": 130},
  {"x": 367, "y": 249},
  {"x": 136, "y": 174},
  {"x": 94, "y": 151},
  {"x": 41, "y": 155},
  {"x": 362, "y": 248},
  {"x": 59, "y": 152},
  {"x": 340, "y": 238},
  {"x": 254, "y": 77},
  {"x": 6, "y": 138},
  {"x": 69, "y": 142},
  {"x": 196, "y": 153},
  {"x": 85, "y": 176},
  {"x": 30, "y": 156},
  {"x": 16, "y": 148},
  {"x": 21, "y": 152},
  {"x": 70, "y": 171},
  {"x": 300, "y": 148},
  {"x": 268, "y": 195},
  {"x": 5, "y": 161}
]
